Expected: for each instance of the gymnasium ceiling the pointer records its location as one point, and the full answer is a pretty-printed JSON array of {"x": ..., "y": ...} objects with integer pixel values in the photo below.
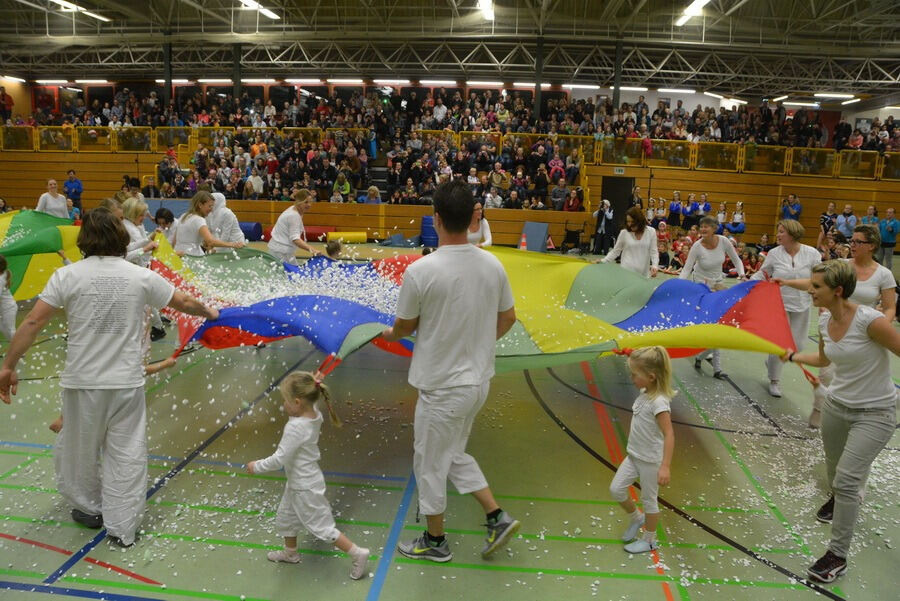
[{"x": 745, "y": 48}]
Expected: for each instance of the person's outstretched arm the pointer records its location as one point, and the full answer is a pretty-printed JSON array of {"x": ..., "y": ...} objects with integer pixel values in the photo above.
[{"x": 24, "y": 337}]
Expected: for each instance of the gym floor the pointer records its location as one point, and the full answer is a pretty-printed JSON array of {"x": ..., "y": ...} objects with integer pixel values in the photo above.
[{"x": 737, "y": 520}]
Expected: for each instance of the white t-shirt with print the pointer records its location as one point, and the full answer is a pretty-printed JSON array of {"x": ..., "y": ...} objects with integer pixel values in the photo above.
[
  {"x": 645, "y": 440},
  {"x": 456, "y": 292},
  {"x": 104, "y": 300}
]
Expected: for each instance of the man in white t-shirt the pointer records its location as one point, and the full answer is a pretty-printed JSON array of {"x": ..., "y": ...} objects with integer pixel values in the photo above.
[
  {"x": 101, "y": 454},
  {"x": 459, "y": 301}
]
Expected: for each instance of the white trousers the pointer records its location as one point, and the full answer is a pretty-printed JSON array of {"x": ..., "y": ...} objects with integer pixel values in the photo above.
[
  {"x": 306, "y": 509},
  {"x": 8, "y": 312},
  {"x": 799, "y": 323},
  {"x": 632, "y": 469},
  {"x": 442, "y": 425},
  {"x": 101, "y": 456},
  {"x": 289, "y": 256}
]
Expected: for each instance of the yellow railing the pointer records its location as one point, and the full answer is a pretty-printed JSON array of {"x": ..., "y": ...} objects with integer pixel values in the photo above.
[
  {"x": 56, "y": 139},
  {"x": 765, "y": 159},
  {"x": 818, "y": 162},
  {"x": 673, "y": 154},
  {"x": 891, "y": 166},
  {"x": 669, "y": 154},
  {"x": 858, "y": 163},
  {"x": 717, "y": 156},
  {"x": 95, "y": 139},
  {"x": 17, "y": 138}
]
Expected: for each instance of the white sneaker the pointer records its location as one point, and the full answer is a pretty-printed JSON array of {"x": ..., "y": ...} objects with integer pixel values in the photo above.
[
  {"x": 359, "y": 563},
  {"x": 641, "y": 546},
  {"x": 284, "y": 556},
  {"x": 774, "y": 389},
  {"x": 633, "y": 528}
]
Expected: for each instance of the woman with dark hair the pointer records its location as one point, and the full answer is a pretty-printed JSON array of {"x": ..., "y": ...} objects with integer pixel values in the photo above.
[
  {"x": 636, "y": 244},
  {"x": 479, "y": 232},
  {"x": 101, "y": 455},
  {"x": 859, "y": 414}
]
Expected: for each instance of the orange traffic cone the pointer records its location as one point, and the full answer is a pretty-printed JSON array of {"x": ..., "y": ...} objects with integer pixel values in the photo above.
[
  {"x": 523, "y": 243},
  {"x": 550, "y": 245}
]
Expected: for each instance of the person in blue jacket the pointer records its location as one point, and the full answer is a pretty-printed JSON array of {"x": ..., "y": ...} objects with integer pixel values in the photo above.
[
  {"x": 791, "y": 207},
  {"x": 73, "y": 188},
  {"x": 889, "y": 226}
]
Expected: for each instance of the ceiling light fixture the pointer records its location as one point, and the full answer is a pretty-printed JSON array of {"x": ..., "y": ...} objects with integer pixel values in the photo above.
[
  {"x": 74, "y": 8},
  {"x": 487, "y": 9},
  {"x": 396, "y": 82},
  {"x": 851, "y": 101},
  {"x": 437, "y": 82},
  {"x": 214, "y": 80},
  {"x": 629, "y": 88},
  {"x": 780, "y": 98},
  {"x": 892, "y": 108},
  {"x": 484, "y": 83},
  {"x": 257, "y": 6},
  {"x": 173, "y": 81},
  {"x": 258, "y": 80},
  {"x": 11, "y": 78},
  {"x": 736, "y": 100},
  {"x": 304, "y": 80},
  {"x": 51, "y": 81},
  {"x": 91, "y": 81},
  {"x": 676, "y": 90},
  {"x": 816, "y": 104},
  {"x": 694, "y": 9},
  {"x": 580, "y": 86},
  {"x": 714, "y": 95},
  {"x": 347, "y": 80},
  {"x": 830, "y": 95}
]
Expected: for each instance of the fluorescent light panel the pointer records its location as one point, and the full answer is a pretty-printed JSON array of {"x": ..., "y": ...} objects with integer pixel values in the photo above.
[
  {"x": 51, "y": 81},
  {"x": 304, "y": 80},
  {"x": 694, "y": 9},
  {"x": 268, "y": 13},
  {"x": 676, "y": 90},
  {"x": 484, "y": 83},
  {"x": 580, "y": 86},
  {"x": 347, "y": 80},
  {"x": 391, "y": 81},
  {"x": 780, "y": 98},
  {"x": 213, "y": 81},
  {"x": 892, "y": 108},
  {"x": 736, "y": 100},
  {"x": 630, "y": 88},
  {"x": 70, "y": 7},
  {"x": 11, "y": 78},
  {"x": 851, "y": 101},
  {"x": 257, "y": 6},
  {"x": 173, "y": 81},
  {"x": 91, "y": 81},
  {"x": 830, "y": 95},
  {"x": 714, "y": 95},
  {"x": 801, "y": 104},
  {"x": 258, "y": 80},
  {"x": 437, "y": 82},
  {"x": 487, "y": 9}
]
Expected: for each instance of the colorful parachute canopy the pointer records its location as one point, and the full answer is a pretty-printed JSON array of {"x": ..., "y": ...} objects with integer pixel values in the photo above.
[
  {"x": 30, "y": 242},
  {"x": 567, "y": 310}
]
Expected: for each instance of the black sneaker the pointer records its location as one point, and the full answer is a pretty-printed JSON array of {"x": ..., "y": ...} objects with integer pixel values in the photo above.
[
  {"x": 86, "y": 519},
  {"x": 828, "y": 568},
  {"x": 826, "y": 511},
  {"x": 157, "y": 334},
  {"x": 720, "y": 375},
  {"x": 119, "y": 542}
]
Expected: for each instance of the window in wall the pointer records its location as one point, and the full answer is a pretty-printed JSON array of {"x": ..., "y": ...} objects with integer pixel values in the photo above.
[
  {"x": 281, "y": 94},
  {"x": 97, "y": 96}
]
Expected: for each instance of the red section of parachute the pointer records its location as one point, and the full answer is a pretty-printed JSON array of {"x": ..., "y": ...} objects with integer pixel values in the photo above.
[
  {"x": 392, "y": 347},
  {"x": 393, "y": 268},
  {"x": 761, "y": 312}
]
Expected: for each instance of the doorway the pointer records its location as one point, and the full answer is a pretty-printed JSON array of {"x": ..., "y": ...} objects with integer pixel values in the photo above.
[{"x": 618, "y": 191}]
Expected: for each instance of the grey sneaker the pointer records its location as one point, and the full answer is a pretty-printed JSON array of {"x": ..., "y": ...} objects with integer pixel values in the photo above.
[
  {"x": 499, "y": 533},
  {"x": 633, "y": 528},
  {"x": 774, "y": 389},
  {"x": 420, "y": 549}
]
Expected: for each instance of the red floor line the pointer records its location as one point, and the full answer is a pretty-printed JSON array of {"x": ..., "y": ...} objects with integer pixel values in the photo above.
[
  {"x": 616, "y": 455},
  {"x": 96, "y": 562}
]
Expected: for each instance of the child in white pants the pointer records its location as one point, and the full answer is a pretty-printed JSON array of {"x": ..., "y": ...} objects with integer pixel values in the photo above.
[
  {"x": 303, "y": 503},
  {"x": 651, "y": 442}
]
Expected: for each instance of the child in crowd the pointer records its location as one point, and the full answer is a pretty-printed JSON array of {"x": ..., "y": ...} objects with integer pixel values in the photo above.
[
  {"x": 333, "y": 249},
  {"x": 74, "y": 212},
  {"x": 651, "y": 443},
  {"x": 303, "y": 503},
  {"x": 8, "y": 307},
  {"x": 149, "y": 369},
  {"x": 756, "y": 262},
  {"x": 694, "y": 233},
  {"x": 665, "y": 261},
  {"x": 843, "y": 251}
]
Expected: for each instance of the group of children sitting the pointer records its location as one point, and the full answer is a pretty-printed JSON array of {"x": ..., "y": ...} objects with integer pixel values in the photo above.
[{"x": 674, "y": 244}]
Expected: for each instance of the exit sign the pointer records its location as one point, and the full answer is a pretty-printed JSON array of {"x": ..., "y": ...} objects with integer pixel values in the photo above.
[{"x": 619, "y": 170}]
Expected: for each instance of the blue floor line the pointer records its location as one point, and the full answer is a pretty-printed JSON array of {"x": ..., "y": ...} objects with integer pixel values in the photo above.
[
  {"x": 390, "y": 546},
  {"x": 70, "y": 592}
]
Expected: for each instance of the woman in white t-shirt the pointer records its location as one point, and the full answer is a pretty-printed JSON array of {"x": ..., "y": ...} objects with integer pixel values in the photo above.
[
  {"x": 875, "y": 287},
  {"x": 52, "y": 202},
  {"x": 704, "y": 265},
  {"x": 637, "y": 245},
  {"x": 859, "y": 415},
  {"x": 479, "y": 232},
  {"x": 788, "y": 261},
  {"x": 193, "y": 233},
  {"x": 289, "y": 234},
  {"x": 141, "y": 244},
  {"x": 8, "y": 306},
  {"x": 101, "y": 454}
]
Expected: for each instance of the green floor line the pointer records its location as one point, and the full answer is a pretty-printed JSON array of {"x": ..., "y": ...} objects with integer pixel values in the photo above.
[
  {"x": 243, "y": 545},
  {"x": 733, "y": 452},
  {"x": 158, "y": 589},
  {"x": 26, "y": 453},
  {"x": 607, "y": 575},
  {"x": 51, "y": 491},
  {"x": 22, "y": 573},
  {"x": 25, "y": 463},
  {"x": 600, "y": 541}
]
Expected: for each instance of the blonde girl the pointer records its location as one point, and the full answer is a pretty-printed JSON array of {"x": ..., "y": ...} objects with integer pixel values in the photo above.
[
  {"x": 651, "y": 443},
  {"x": 193, "y": 232},
  {"x": 303, "y": 503}
]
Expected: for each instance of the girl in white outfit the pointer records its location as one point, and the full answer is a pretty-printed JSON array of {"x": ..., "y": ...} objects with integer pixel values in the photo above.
[
  {"x": 637, "y": 245},
  {"x": 53, "y": 203},
  {"x": 788, "y": 261},
  {"x": 193, "y": 233},
  {"x": 303, "y": 503},
  {"x": 704, "y": 265},
  {"x": 288, "y": 234},
  {"x": 222, "y": 222},
  {"x": 651, "y": 444},
  {"x": 479, "y": 232},
  {"x": 859, "y": 414},
  {"x": 8, "y": 307},
  {"x": 139, "y": 252}
]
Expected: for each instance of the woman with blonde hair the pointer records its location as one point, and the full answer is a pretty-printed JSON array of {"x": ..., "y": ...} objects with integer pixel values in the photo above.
[{"x": 193, "y": 234}]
